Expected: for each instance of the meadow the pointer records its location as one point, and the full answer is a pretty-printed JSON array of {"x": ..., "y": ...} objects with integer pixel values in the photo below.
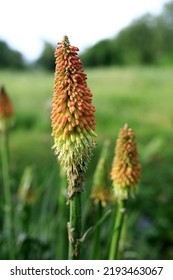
[{"x": 139, "y": 96}]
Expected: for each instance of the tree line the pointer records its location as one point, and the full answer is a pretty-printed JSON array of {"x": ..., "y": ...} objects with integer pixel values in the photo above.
[
  {"x": 10, "y": 58},
  {"x": 148, "y": 40}
]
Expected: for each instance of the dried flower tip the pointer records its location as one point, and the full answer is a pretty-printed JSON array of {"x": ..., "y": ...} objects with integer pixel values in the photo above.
[
  {"x": 125, "y": 171},
  {"x": 65, "y": 41}
]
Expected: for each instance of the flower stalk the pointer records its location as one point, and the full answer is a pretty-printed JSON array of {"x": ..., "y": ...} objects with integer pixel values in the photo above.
[
  {"x": 125, "y": 175},
  {"x": 6, "y": 113},
  {"x": 73, "y": 125},
  {"x": 74, "y": 227},
  {"x": 118, "y": 225},
  {"x": 101, "y": 195}
]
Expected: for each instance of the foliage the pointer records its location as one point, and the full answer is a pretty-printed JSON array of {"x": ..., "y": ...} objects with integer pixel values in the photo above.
[
  {"x": 46, "y": 59},
  {"x": 10, "y": 58},
  {"x": 165, "y": 26},
  {"x": 141, "y": 96},
  {"x": 99, "y": 54},
  {"x": 147, "y": 40}
]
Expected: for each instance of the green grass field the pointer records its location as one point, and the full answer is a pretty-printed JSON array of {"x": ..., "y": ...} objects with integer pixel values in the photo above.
[{"x": 141, "y": 97}]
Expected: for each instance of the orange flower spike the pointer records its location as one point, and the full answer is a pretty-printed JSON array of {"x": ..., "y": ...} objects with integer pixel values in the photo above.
[
  {"x": 126, "y": 168},
  {"x": 72, "y": 107},
  {"x": 6, "y": 109}
]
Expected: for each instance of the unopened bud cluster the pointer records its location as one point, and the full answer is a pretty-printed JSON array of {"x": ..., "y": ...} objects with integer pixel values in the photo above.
[{"x": 101, "y": 192}]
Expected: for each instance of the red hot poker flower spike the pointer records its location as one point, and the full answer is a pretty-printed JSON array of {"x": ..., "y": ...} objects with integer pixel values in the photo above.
[
  {"x": 73, "y": 121},
  {"x": 126, "y": 168},
  {"x": 6, "y": 109}
]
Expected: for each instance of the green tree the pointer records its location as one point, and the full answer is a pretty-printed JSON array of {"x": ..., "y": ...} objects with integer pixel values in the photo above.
[
  {"x": 147, "y": 40},
  {"x": 139, "y": 41},
  {"x": 135, "y": 44},
  {"x": 98, "y": 55},
  {"x": 10, "y": 58},
  {"x": 46, "y": 59},
  {"x": 165, "y": 26}
]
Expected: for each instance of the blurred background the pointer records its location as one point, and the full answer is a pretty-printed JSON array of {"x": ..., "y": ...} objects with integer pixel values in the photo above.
[{"x": 127, "y": 52}]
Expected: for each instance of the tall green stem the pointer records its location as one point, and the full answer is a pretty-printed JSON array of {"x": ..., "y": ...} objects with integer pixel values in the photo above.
[
  {"x": 96, "y": 248},
  {"x": 119, "y": 219},
  {"x": 7, "y": 193},
  {"x": 74, "y": 226}
]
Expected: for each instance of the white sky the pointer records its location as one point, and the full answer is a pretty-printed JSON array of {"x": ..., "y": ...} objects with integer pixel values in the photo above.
[{"x": 25, "y": 24}]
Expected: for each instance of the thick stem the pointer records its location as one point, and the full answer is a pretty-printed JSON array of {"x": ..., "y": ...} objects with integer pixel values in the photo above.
[
  {"x": 119, "y": 219},
  {"x": 8, "y": 228},
  {"x": 74, "y": 226}
]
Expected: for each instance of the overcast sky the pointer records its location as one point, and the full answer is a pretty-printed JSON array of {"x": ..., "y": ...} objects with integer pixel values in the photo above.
[{"x": 26, "y": 24}]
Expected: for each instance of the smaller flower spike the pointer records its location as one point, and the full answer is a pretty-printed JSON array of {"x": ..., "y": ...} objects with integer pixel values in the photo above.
[
  {"x": 101, "y": 192},
  {"x": 6, "y": 109},
  {"x": 73, "y": 121},
  {"x": 126, "y": 168}
]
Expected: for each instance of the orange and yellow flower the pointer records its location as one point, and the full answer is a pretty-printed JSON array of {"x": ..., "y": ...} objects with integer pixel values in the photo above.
[
  {"x": 6, "y": 109},
  {"x": 73, "y": 121},
  {"x": 125, "y": 171}
]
